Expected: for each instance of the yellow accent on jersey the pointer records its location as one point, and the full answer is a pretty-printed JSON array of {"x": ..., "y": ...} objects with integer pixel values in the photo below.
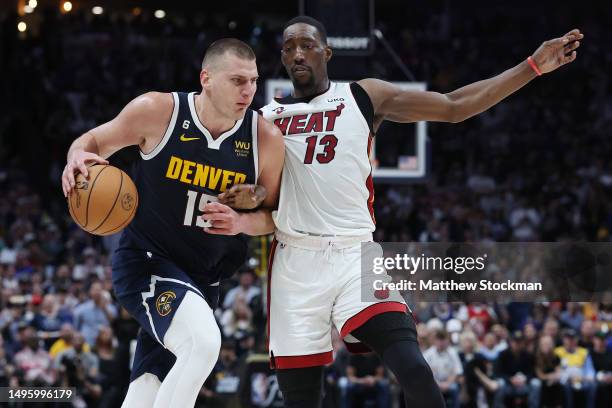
[
  {"x": 202, "y": 175},
  {"x": 184, "y": 138}
]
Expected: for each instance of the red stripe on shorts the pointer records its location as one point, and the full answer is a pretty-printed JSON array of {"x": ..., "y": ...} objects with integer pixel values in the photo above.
[
  {"x": 312, "y": 360},
  {"x": 366, "y": 314}
]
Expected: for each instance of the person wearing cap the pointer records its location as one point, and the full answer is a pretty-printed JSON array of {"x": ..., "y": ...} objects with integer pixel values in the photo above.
[
  {"x": 602, "y": 362},
  {"x": 577, "y": 372},
  {"x": 515, "y": 370}
]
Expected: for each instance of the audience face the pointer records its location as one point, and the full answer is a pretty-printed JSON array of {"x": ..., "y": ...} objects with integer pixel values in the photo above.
[
  {"x": 489, "y": 341},
  {"x": 530, "y": 332},
  {"x": 441, "y": 343},
  {"x": 95, "y": 292},
  {"x": 105, "y": 337},
  {"x": 517, "y": 345},
  {"x": 546, "y": 345},
  {"x": 246, "y": 280},
  {"x": 468, "y": 342},
  {"x": 78, "y": 341},
  {"x": 570, "y": 343},
  {"x": 31, "y": 338},
  {"x": 66, "y": 332},
  {"x": 587, "y": 329},
  {"x": 228, "y": 354},
  {"x": 551, "y": 328},
  {"x": 599, "y": 344},
  {"x": 49, "y": 304}
]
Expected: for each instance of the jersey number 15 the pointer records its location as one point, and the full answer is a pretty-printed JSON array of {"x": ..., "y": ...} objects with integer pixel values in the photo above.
[{"x": 192, "y": 197}]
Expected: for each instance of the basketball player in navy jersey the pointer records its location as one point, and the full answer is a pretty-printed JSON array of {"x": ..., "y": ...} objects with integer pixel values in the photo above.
[
  {"x": 325, "y": 210},
  {"x": 167, "y": 268}
]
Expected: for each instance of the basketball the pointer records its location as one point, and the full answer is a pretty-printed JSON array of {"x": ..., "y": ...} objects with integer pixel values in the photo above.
[{"x": 105, "y": 202}]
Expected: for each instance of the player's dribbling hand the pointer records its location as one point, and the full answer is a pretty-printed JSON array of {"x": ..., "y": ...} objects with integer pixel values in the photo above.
[
  {"x": 223, "y": 220},
  {"x": 243, "y": 196},
  {"x": 557, "y": 52},
  {"x": 78, "y": 164}
]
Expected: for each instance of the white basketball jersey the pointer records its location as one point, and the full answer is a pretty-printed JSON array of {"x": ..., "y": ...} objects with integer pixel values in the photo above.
[{"x": 327, "y": 184}]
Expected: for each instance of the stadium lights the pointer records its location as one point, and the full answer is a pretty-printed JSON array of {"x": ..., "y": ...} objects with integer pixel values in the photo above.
[
  {"x": 28, "y": 9},
  {"x": 67, "y": 6},
  {"x": 22, "y": 27},
  {"x": 97, "y": 10},
  {"x": 159, "y": 14},
  {"x": 33, "y": 3}
]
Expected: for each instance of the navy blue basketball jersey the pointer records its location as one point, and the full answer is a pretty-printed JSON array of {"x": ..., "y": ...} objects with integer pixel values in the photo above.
[{"x": 186, "y": 170}]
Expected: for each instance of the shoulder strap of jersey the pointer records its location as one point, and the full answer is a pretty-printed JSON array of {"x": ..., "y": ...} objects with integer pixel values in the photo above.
[{"x": 168, "y": 133}]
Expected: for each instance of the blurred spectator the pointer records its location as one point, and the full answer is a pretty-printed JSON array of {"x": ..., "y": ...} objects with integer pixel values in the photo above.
[
  {"x": 551, "y": 329},
  {"x": 95, "y": 313},
  {"x": 476, "y": 372},
  {"x": 515, "y": 369},
  {"x": 577, "y": 374},
  {"x": 33, "y": 362},
  {"x": 64, "y": 341},
  {"x": 572, "y": 316},
  {"x": 548, "y": 371},
  {"x": 602, "y": 363},
  {"x": 105, "y": 350},
  {"x": 530, "y": 333},
  {"x": 587, "y": 334},
  {"x": 90, "y": 268},
  {"x": 245, "y": 290},
  {"x": 490, "y": 349},
  {"x": 365, "y": 380},
  {"x": 79, "y": 368},
  {"x": 446, "y": 366},
  {"x": 48, "y": 320},
  {"x": 238, "y": 317}
]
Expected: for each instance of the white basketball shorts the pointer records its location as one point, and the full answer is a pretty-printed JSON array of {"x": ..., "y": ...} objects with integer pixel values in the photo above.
[{"x": 314, "y": 283}]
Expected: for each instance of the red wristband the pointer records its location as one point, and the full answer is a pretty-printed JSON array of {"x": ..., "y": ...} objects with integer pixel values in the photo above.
[{"x": 534, "y": 66}]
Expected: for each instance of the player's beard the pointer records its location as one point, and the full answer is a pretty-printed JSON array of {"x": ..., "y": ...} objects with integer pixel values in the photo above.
[{"x": 305, "y": 86}]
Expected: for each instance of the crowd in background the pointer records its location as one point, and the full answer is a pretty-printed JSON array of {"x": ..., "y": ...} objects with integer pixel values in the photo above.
[{"x": 534, "y": 168}]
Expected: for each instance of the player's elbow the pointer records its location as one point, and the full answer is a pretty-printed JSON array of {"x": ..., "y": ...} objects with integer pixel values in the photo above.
[{"x": 453, "y": 111}]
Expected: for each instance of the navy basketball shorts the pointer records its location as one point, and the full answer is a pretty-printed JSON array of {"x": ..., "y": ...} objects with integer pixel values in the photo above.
[{"x": 151, "y": 288}]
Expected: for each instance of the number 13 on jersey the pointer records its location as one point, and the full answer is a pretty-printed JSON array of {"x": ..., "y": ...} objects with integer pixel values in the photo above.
[
  {"x": 192, "y": 197},
  {"x": 329, "y": 143}
]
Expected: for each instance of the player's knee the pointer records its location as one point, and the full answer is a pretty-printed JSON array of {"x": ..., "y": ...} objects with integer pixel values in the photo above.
[{"x": 206, "y": 343}]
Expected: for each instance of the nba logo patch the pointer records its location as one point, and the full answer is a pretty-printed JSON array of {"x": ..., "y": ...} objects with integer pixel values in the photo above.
[{"x": 163, "y": 304}]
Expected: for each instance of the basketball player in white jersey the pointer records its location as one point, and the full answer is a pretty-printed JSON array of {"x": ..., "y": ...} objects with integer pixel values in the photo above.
[{"x": 325, "y": 210}]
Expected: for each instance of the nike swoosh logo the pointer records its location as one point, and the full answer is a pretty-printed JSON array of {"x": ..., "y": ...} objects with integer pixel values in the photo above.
[{"x": 187, "y": 139}]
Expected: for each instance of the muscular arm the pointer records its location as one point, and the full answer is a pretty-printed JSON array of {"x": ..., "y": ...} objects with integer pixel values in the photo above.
[
  {"x": 392, "y": 103},
  {"x": 141, "y": 122}
]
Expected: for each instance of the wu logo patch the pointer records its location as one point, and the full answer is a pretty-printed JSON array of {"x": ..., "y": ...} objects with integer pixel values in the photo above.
[
  {"x": 241, "y": 148},
  {"x": 163, "y": 304}
]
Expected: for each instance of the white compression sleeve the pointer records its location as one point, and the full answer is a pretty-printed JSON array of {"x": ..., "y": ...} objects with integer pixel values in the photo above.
[
  {"x": 195, "y": 340},
  {"x": 142, "y": 392}
]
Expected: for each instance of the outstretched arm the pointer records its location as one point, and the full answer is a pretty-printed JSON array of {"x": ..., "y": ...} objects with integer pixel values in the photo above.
[{"x": 392, "y": 103}]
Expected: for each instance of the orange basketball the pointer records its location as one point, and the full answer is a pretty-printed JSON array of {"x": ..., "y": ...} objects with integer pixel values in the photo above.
[{"x": 105, "y": 203}]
